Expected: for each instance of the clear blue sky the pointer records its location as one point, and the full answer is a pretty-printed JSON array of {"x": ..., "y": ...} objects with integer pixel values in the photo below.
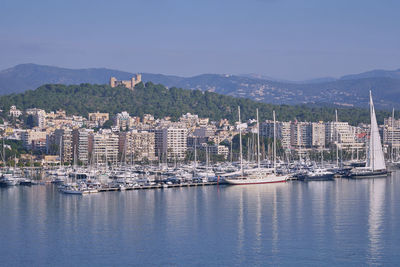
[{"x": 288, "y": 39}]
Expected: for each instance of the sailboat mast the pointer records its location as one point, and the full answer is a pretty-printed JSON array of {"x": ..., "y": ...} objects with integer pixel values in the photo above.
[
  {"x": 273, "y": 113},
  {"x": 60, "y": 149},
  {"x": 391, "y": 152},
  {"x": 231, "y": 151},
  {"x": 337, "y": 139},
  {"x": 4, "y": 154},
  {"x": 258, "y": 141},
  {"x": 371, "y": 136},
  {"x": 195, "y": 153},
  {"x": 240, "y": 142}
]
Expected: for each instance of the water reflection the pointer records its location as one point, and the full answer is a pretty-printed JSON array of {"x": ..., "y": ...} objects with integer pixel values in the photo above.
[{"x": 375, "y": 219}]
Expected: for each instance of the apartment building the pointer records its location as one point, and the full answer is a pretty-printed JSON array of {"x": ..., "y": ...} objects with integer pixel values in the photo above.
[
  {"x": 171, "y": 141},
  {"x": 63, "y": 139},
  {"x": 105, "y": 147},
  {"x": 137, "y": 145},
  {"x": 318, "y": 134},
  {"x": 82, "y": 142},
  {"x": 34, "y": 139}
]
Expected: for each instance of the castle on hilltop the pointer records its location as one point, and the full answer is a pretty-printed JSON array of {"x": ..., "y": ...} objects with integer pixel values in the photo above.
[{"x": 130, "y": 84}]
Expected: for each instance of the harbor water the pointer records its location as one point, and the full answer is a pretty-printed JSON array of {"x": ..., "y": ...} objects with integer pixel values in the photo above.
[{"x": 340, "y": 222}]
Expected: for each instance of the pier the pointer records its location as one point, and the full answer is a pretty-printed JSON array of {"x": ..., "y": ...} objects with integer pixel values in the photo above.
[{"x": 157, "y": 186}]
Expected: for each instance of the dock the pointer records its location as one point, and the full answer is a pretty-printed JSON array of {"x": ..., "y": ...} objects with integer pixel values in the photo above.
[{"x": 156, "y": 186}]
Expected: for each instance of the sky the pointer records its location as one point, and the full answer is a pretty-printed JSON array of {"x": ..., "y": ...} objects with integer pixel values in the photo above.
[{"x": 284, "y": 39}]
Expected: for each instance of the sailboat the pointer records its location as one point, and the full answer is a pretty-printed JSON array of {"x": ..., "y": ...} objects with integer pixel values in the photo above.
[
  {"x": 375, "y": 165},
  {"x": 258, "y": 175}
]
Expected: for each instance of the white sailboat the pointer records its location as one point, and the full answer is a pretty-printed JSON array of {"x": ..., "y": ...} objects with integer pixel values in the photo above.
[
  {"x": 258, "y": 175},
  {"x": 375, "y": 165}
]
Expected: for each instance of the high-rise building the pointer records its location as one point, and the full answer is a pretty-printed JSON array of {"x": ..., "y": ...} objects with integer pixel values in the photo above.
[
  {"x": 82, "y": 144},
  {"x": 105, "y": 147},
  {"x": 318, "y": 134},
  {"x": 391, "y": 132},
  {"x": 301, "y": 134},
  {"x": 34, "y": 139},
  {"x": 63, "y": 138},
  {"x": 171, "y": 141},
  {"x": 137, "y": 145}
]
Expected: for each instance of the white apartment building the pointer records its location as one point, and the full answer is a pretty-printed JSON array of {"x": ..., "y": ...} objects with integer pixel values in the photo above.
[
  {"x": 105, "y": 147},
  {"x": 82, "y": 143},
  {"x": 14, "y": 112},
  {"x": 301, "y": 134},
  {"x": 138, "y": 145},
  {"x": 391, "y": 134},
  {"x": 63, "y": 137},
  {"x": 171, "y": 141},
  {"x": 34, "y": 139},
  {"x": 318, "y": 134}
]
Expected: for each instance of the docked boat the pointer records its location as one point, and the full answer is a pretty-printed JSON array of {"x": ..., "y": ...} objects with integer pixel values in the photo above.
[
  {"x": 77, "y": 189},
  {"x": 8, "y": 180},
  {"x": 317, "y": 174},
  {"x": 25, "y": 181},
  {"x": 375, "y": 165},
  {"x": 258, "y": 175}
]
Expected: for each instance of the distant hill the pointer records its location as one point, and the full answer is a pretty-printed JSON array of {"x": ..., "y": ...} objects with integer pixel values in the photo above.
[
  {"x": 161, "y": 101},
  {"x": 350, "y": 90},
  {"x": 394, "y": 74},
  {"x": 30, "y": 76}
]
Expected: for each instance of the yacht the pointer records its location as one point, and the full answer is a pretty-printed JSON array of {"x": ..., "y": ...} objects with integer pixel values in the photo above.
[
  {"x": 8, "y": 180},
  {"x": 258, "y": 175},
  {"x": 316, "y": 174},
  {"x": 375, "y": 166}
]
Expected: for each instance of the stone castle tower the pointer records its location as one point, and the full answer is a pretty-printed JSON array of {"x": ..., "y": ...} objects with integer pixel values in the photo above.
[{"x": 130, "y": 84}]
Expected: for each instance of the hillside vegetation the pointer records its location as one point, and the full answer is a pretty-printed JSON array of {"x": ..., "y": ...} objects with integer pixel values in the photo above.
[{"x": 161, "y": 101}]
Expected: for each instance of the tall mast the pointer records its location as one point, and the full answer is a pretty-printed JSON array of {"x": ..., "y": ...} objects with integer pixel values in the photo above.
[
  {"x": 4, "y": 154},
  {"x": 258, "y": 141},
  {"x": 60, "y": 148},
  {"x": 240, "y": 143},
  {"x": 106, "y": 158},
  {"x": 195, "y": 153},
  {"x": 231, "y": 150},
  {"x": 391, "y": 153},
  {"x": 337, "y": 139},
  {"x": 371, "y": 137},
  {"x": 273, "y": 113}
]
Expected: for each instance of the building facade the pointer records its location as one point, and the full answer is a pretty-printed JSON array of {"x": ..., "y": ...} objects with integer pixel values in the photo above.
[{"x": 172, "y": 142}]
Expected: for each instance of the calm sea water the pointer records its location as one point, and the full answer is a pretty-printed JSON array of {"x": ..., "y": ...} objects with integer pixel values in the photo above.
[{"x": 346, "y": 222}]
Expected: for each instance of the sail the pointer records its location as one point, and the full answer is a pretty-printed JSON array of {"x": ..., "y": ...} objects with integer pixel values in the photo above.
[{"x": 376, "y": 160}]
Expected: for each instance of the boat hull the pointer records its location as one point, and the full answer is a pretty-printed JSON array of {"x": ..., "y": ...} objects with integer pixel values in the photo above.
[
  {"x": 371, "y": 174},
  {"x": 249, "y": 181},
  {"x": 324, "y": 177}
]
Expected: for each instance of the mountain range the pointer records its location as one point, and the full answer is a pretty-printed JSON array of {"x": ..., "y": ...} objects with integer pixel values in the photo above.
[{"x": 349, "y": 90}]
